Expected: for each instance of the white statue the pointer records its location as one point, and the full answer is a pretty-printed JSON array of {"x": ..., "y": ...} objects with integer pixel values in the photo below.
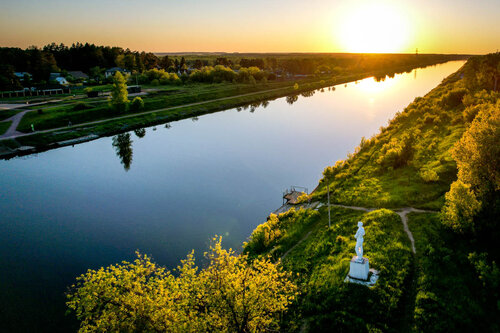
[{"x": 359, "y": 241}]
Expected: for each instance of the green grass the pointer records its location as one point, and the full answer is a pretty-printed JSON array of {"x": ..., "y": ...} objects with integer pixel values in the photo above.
[
  {"x": 175, "y": 95},
  {"x": 450, "y": 298},
  {"x": 4, "y": 126},
  {"x": 4, "y": 114},
  {"x": 320, "y": 264},
  {"x": 388, "y": 170}
]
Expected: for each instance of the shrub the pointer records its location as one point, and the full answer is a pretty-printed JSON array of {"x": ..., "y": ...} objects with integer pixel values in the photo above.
[
  {"x": 155, "y": 82},
  {"x": 471, "y": 112},
  {"x": 428, "y": 175},
  {"x": 81, "y": 106},
  {"x": 137, "y": 104},
  {"x": 453, "y": 98}
]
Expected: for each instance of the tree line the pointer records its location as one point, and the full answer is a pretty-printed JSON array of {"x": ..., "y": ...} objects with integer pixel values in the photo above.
[{"x": 93, "y": 59}]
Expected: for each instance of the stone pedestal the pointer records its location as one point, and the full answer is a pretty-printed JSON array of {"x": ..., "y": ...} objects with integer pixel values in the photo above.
[
  {"x": 359, "y": 268},
  {"x": 360, "y": 272}
]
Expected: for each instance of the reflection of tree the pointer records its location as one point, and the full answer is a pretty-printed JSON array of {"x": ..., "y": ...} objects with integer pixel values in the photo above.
[
  {"x": 140, "y": 132},
  {"x": 194, "y": 119},
  {"x": 167, "y": 126},
  {"x": 292, "y": 99},
  {"x": 309, "y": 93},
  {"x": 265, "y": 104},
  {"x": 123, "y": 147},
  {"x": 380, "y": 78}
]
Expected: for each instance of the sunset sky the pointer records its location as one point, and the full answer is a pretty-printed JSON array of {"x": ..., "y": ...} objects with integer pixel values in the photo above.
[{"x": 434, "y": 26}]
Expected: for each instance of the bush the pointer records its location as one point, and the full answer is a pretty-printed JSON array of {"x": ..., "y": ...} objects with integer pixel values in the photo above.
[
  {"x": 81, "y": 106},
  {"x": 155, "y": 82},
  {"x": 453, "y": 98},
  {"x": 137, "y": 104},
  {"x": 428, "y": 175},
  {"x": 471, "y": 112}
]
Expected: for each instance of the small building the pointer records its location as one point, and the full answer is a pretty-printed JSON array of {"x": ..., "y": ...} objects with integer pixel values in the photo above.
[
  {"x": 112, "y": 71},
  {"x": 21, "y": 75},
  {"x": 78, "y": 75},
  {"x": 61, "y": 80}
]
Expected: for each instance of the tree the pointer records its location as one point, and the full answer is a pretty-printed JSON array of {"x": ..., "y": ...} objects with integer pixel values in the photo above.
[
  {"x": 119, "y": 94},
  {"x": 137, "y": 104},
  {"x": 478, "y": 151},
  {"x": 232, "y": 294},
  {"x": 477, "y": 155},
  {"x": 460, "y": 208}
]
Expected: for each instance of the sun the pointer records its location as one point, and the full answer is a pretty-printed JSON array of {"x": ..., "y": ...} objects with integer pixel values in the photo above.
[{"x": 373, "y": 28}]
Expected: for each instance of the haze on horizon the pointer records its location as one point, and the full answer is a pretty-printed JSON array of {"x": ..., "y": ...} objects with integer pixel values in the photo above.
[{"x": 445, "y": 26}]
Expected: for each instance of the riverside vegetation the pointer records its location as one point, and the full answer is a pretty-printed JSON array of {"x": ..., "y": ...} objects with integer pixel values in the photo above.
[
  {"x": 176, "y": 87},
  {"x": 440, "y": 153}
]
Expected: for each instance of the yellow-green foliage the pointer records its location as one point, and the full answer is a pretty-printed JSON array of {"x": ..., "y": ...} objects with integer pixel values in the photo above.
[
  {"x": 282, "y": 228},
  {"x": 477, "y": 155},
  {"x": 429, "y": 175},
  {"x": 119, "y": 94},
  {"x": 460, "y": 207},
  {"x": 409, "y": 163},
  {"x": 232, "y": 294},
  {"x": 160, "y": 77},
  {"x": 320, "y": 263}
]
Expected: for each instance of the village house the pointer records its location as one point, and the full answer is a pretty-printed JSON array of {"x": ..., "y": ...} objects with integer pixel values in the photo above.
[{"x": 112, "y": 71}]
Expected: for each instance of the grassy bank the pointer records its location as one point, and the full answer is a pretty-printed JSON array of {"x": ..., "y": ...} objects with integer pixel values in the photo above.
[
  {"x": 409, "y": 162},
  {"x": 320, "y": 263},
  {"x": 451, "y": 283},
  {"x": 165, "y": 105}
]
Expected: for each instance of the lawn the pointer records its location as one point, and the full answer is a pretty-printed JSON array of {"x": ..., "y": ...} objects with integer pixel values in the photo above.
[{"x": 4, "y": 126}]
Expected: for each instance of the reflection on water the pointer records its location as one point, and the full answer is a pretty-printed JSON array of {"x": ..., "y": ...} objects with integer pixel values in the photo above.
[
  {"x": 140, "y": 132},
  {"x": 70, "y": 209},
  {"x": 292, "y": 99},
  {"x": 123, "y": 147}
]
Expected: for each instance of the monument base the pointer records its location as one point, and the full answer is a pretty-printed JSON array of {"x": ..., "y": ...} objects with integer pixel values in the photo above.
[{"x": 360, "y": 272}]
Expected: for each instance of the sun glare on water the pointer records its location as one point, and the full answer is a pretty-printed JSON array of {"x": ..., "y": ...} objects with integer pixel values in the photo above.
[{"x": 373, "y": 28}]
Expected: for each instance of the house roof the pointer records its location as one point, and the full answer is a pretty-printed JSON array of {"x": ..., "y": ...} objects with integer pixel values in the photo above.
[
  {"x": 78, "y": 74},
  {"x": 21, "y": 74},
  {"x": 117, "y": 69}
]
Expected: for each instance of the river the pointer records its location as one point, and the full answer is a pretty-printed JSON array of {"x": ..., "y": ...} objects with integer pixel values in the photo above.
[{"x": 169, "y": 189}]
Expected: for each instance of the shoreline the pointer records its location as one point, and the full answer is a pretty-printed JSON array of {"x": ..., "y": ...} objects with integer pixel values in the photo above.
[{"x": 33, "y": 143}]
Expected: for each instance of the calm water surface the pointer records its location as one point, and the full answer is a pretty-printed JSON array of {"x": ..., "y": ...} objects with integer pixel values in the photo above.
[{"x": 74, "y": 208}]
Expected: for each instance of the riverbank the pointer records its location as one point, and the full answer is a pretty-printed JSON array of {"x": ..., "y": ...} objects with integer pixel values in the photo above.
[
  {"x": 39, "y": 141},
  {"x": 429, "y": 273}
]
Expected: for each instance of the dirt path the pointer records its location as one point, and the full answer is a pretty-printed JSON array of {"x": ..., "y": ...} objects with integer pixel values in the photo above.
[
  {"x": 12, "y": 132},
  {"x": 19, "y": 134},
  {"x": 402, "y": 212}
]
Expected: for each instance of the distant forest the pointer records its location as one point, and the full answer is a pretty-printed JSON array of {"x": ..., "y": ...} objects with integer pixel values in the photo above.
[{"x": 88, "y": 58}]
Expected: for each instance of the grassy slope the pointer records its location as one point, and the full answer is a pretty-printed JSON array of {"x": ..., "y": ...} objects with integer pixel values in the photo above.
[
  {"x": 321, "y": 263},
  {"x": 408, "y": 164},
  {"x": 387, "y": 170},
  {"x": 449, "y": 297}
]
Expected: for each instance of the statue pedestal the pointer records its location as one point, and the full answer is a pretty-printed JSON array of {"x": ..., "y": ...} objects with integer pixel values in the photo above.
[
  {"x": 359, "y": 268},
  {"x": 360, "y": 272}
]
